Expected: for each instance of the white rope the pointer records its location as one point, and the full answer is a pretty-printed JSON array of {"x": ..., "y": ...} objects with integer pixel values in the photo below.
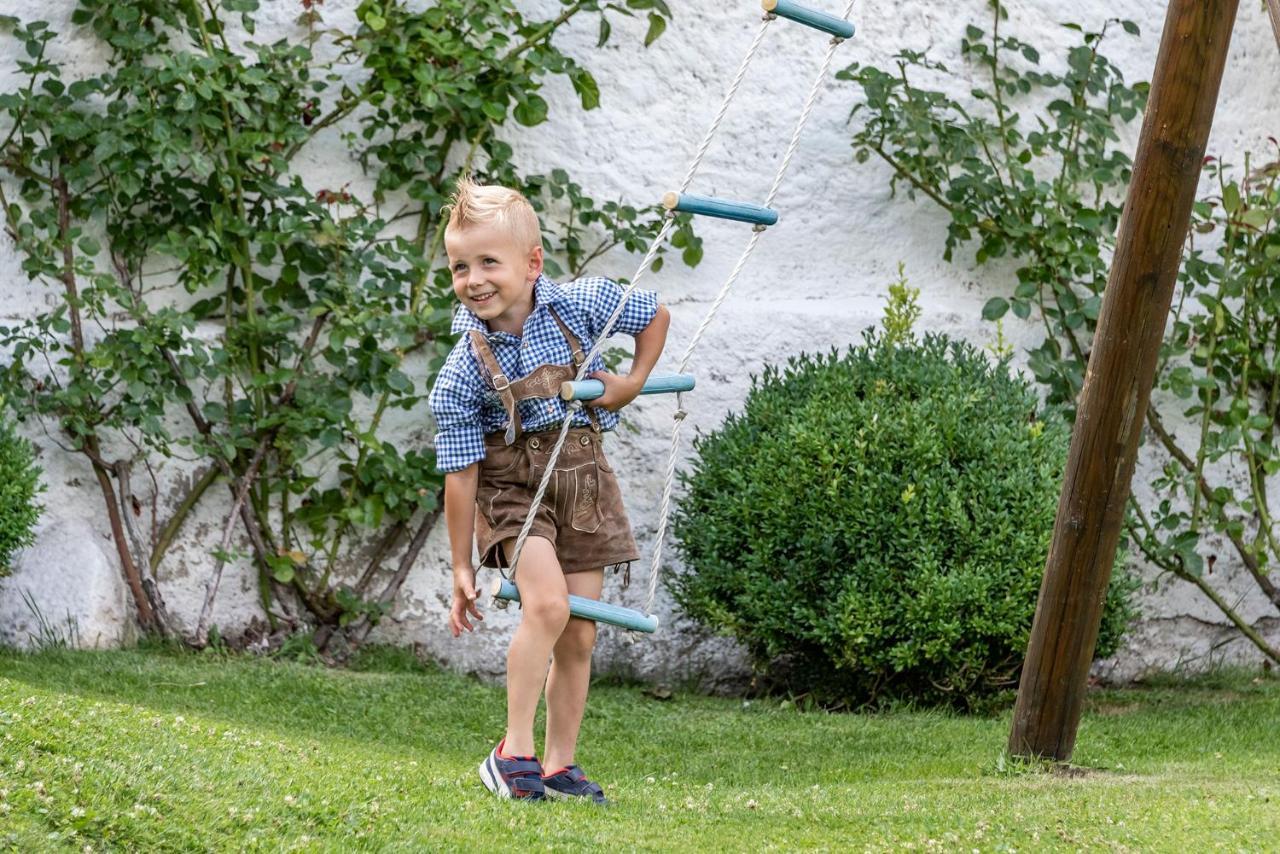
[
  {"x": 664, "y": 509},
  {"x": 635, "y": 280},
  {"x": 699, "y": 155},
  {"x": 724, "y": 104},
  {"x": 574, "y": 406}
]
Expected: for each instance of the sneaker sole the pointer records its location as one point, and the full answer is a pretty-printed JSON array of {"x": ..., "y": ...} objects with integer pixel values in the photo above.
[
  {"x": 493, "y": 782},
  {"x": 492, "y": 779},
  {"x": 556, "y": 795}
]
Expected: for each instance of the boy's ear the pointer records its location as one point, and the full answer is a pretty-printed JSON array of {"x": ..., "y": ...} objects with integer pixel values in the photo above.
[{"x": 535, "y": 264}]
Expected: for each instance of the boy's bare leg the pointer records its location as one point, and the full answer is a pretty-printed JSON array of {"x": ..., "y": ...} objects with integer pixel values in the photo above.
[
  {"x": 544, "y": 601},
  {"x": 570, "y": 676}
]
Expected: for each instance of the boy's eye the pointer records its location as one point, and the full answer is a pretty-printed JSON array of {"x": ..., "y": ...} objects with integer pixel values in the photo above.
[
  {"x": 458, "y": 268},
  {"x": 491, "y": 260}
]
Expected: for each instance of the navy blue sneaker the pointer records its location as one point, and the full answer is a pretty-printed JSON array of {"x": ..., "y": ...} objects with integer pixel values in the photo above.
[
  {"x": 513, "y": 777},
  {"x": 570, "y": 782}
]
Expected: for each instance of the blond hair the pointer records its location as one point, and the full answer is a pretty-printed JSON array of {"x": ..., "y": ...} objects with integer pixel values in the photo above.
[{"x": 481, "y": 204}]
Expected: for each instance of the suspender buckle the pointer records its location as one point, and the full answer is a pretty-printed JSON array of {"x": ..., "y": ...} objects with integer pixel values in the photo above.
[{"x": 501, "y": 383}]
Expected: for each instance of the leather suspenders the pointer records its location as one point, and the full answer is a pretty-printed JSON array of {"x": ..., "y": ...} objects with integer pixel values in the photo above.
[{"x": 544, "y": 381}]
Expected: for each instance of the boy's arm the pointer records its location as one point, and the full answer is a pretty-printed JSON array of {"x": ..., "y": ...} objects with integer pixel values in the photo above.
[
  {"x": 621, "y": 390},
  {"x": 459, "y": 515}
]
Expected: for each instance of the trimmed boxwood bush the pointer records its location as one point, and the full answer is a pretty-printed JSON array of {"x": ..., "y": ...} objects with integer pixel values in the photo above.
[
  {"x": 19, "y": 485},
  {"x": 873, "y": 526}
]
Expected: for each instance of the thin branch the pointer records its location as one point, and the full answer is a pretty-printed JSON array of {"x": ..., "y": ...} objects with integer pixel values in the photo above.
[
  {"x": 1246, "y": 554},
  {"x": 211, "y": 587},
  {"x": 123, "y": 473},
  {"x": 180, "y": 515},
  {"x": 1178, "y": 571},
  {"x": 915, "y": 182}
]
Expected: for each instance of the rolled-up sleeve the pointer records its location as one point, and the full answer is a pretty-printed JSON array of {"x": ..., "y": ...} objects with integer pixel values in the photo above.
[
  {"x": 455, "y": 404},
  {"x": 600, "y": 298}
]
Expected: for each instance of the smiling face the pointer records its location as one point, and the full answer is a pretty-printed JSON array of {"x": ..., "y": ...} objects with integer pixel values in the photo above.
[{"x": 493, "y": 274}]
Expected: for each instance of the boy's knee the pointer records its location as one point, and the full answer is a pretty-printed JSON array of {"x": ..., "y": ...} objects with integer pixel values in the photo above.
[
  {"x": 551, "y": 613},
  {"x": 578, "y": 638}
]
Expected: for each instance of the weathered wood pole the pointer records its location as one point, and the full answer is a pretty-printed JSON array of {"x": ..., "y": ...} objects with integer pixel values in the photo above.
[{"x": 1117, "y": 384}]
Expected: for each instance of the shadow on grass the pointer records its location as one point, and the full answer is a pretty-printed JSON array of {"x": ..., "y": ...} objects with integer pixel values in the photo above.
[
  {"x": 422, "y": 712},
  {"x": 403, "y": 706},
  {"x": 384, "y": 698}
]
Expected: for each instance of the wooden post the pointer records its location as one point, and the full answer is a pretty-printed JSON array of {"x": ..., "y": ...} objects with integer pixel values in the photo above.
[{"x": 1117, "y": 384}]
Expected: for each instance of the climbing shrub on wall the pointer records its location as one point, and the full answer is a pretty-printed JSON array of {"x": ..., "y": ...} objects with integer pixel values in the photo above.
[
  {"x": 211, "y": 305},
  {"x": 20, "y": 487},
  {"x": 873, "y": 525},
  {"x": 1029, "y": 167}
]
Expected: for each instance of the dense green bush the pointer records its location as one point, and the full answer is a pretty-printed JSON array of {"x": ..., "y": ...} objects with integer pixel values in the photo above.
[
  {"x": 19, "y": 485},
  {"x": 873, "y": 526}
]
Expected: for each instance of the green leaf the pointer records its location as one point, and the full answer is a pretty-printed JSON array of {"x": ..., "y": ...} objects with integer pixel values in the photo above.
[
  {"x": 1256, "y": 217},
  {"x": 330, "y": 437},
  {"x": 1231, "y": 198},
  {"x": 587, "y": 88},
  {"x": 282, "y": 571},
  {"x": 995, "y": 308},
  {"x": 1260, "y": 421},
  {"x": 532, "y": 111},
  {"x": 657, "y": 25},
  {"x": 397, "y": 381}
]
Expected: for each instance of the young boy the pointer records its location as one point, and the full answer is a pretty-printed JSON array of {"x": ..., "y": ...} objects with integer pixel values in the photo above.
[{"x": 498, "y": 413}]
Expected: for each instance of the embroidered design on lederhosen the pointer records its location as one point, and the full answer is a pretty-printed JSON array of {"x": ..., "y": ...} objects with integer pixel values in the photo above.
[{"x": 544, "y": 381}]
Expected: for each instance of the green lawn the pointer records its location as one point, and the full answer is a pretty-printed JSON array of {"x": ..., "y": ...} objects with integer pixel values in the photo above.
[{"x": 150, "y": 750}]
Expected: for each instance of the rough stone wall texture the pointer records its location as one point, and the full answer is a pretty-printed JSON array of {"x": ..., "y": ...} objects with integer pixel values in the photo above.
[{"x": 818, "y": 279}]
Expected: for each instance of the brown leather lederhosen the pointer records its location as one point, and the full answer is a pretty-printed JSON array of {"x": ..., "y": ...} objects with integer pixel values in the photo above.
[
  {"x": 543, "y": 381},
  {"x": 582, "y": 513}
]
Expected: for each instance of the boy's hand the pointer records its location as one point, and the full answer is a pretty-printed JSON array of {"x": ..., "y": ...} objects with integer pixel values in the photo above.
[
  {"x": 618, "y": 391},
  {"x": 464, "y": 600}
]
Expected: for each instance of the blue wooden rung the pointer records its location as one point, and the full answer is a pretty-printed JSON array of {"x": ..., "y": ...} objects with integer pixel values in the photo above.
[
  {"x": 707, "y": 206},
  {"x": 588, "y": 609},
  {"x": 657, "y": 383},
  {"x": 792, "y": 11}
]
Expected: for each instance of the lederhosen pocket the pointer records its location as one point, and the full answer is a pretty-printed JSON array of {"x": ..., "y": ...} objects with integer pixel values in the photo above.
[{"x": 578, "y": 485}]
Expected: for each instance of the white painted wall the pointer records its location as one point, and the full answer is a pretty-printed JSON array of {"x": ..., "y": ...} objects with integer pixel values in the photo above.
[{"x": 818, "y": 279}]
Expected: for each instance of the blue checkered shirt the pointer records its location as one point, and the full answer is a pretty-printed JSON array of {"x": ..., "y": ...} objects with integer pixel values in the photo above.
[{"x": 466, "y": 408}]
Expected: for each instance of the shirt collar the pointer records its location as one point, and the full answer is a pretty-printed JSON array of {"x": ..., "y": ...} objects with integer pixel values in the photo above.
[{"x": 545, "y": 293}]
